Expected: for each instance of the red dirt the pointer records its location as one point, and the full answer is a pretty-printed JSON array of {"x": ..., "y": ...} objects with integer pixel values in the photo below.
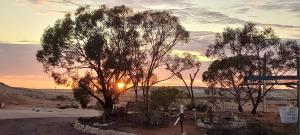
[{"x": 189, "y": 126}]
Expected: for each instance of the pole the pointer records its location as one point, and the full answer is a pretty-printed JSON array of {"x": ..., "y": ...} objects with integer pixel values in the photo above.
[
  {"x": 298, "y": 92},
  {"x": 264, "y": 84},
  {"x": 181, "y": 119}
]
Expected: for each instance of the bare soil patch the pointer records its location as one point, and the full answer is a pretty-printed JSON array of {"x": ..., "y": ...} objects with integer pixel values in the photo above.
[{"x": 39, "y": 126}]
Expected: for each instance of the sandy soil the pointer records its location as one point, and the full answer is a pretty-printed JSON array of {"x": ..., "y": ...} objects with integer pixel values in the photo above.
[
  {"x": 45, "y": 113},
  {"x": 189, "y": 127},
  {"x": 35, "y": 112},
  {"x": 38, "y": 126}
]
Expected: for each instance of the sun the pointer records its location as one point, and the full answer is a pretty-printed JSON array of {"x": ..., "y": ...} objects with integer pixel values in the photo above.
[{"x": 121, "y": 86}]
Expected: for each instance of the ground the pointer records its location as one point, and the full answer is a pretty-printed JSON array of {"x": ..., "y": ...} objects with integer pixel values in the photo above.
[
  {"x": 189, "y": 127},
  {"x": 38, "y": 112},
  {"x": 38, "y": 126}
]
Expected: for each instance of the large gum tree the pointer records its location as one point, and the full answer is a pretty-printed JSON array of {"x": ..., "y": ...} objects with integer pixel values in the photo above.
[
  {"x": 101, "y": 47},
  {"x": 96, "y": 47}
]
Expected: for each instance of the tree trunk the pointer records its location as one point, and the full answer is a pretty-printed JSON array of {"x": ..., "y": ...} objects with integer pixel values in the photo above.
[
  {"x": 147, "y": 107},
  {"x": 192, "y": 98},
  {"x": 136, "y": 93},
  {"x": 240, "y": 106},
  {"x": 256, "y": 103},
  {"x": 254, "y": 108},
  {"x": 107, "y": 107},
  {"x": 144, "y": 95}
]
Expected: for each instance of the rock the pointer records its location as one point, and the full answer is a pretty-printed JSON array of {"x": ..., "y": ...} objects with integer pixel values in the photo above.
[
  {"x": 184, "y": 133},
  {"x": 203, "y": 125},
  {"x": 2, "y": 105},
  {"x": 239, "y": 124},
  {"x": 235, "y": 118},
  {"x": 97, "y": 131},
  {"x": 102, "y": 125}
]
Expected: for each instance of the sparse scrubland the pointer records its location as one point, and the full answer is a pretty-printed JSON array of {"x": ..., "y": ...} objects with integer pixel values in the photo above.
[{"x": 109, "y": 57}]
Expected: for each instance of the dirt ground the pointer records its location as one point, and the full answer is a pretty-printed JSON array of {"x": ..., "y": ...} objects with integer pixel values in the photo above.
[
  {"x": 28, "y": 112},
  {"x": 38, "y": 126},
  {"x": 189, "y": 127},
  {"x": 263, "y": 123}
]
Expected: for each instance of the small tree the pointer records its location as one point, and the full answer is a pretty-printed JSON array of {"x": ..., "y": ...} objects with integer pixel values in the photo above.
[
  {"x": 256, "y": 44},
  {"x": 177, "y": 65},
  {"x": 228, "y": 74},
  {"x": 161, "y": 32}
]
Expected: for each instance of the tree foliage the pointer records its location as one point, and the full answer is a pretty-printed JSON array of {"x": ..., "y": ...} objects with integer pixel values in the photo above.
[
  {"x": 81, "y": 94},
  {"x": 107, "y": 45},
  {"x": 243, "y": 52},
  {"x": 98, "y": 45},
  {"x": 161, "y": 32},
  {"x": 228, "y": 73},
  {"x": 163, "y": 97},
  {"x": 187, "y": 63}
]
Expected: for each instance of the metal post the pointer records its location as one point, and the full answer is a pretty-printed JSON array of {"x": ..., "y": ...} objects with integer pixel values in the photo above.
[
  {"x": 298, "y": 92},
  {"x": 264, "y": 84},
  {"x": 181, "y": 123},
  {"x": 181, "y": 119}
]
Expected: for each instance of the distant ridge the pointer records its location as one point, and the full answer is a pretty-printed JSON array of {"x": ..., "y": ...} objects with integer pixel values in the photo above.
[
  {"x": 1, "y": 83},
  {"x": 29, "y": 89}
]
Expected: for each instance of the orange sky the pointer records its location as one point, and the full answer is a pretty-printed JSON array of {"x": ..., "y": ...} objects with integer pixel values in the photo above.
[{"x": 23, "y": 22}]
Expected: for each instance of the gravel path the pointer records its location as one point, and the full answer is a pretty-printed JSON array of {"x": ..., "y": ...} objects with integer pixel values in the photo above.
[{"x": 38, "y": 126}]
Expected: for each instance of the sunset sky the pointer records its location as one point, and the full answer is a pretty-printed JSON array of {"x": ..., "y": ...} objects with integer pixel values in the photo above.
[{"x": 23, "y": 21}]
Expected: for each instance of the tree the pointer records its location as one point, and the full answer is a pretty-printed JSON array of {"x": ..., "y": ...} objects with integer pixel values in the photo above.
[
  {"x": 103, "y": 46},
  {"x": 97, "y": 46},
  {"x": 137, "y": 73},
  {"x": 161, "y": 32},
  {"x": 257, "y": 45},
  {"x": 81, "y": 93},
  {"x": 228, "y": 74},
  {"x": 288, "y": 51},
  {"x": 177, "y": 65}
]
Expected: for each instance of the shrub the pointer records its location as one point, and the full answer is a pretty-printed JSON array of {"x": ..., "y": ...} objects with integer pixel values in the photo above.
[
  {"x": 60, "y": 98},
  {"x": 74, "y": 106},
  {"x": 98, "y": 106},
  {"x": 64, "y": 107},
  {"x": 163, "y": 97},
  {"x": 202, "y": 107},
  {"x": 159, "y": 102},
  {"x": 82, "y": 96}
]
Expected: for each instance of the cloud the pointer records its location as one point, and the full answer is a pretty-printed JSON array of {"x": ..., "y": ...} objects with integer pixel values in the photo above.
[
  {"x": 199, "y": 41},
  {"x": 20, "y": 42},
  {"x": 52, "y": 11},
  {"x": 28, "y": 42},
  {"x": 205, "y": 16},
  {"x": 291, "y": 5},
  {"x": 242, "y": 10},
  {"x": 200, "y": 56},
  {"x": 37, "y": 1},
  {"x": 280, "y": 25},
  {"x": 74, "y": 2}
]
